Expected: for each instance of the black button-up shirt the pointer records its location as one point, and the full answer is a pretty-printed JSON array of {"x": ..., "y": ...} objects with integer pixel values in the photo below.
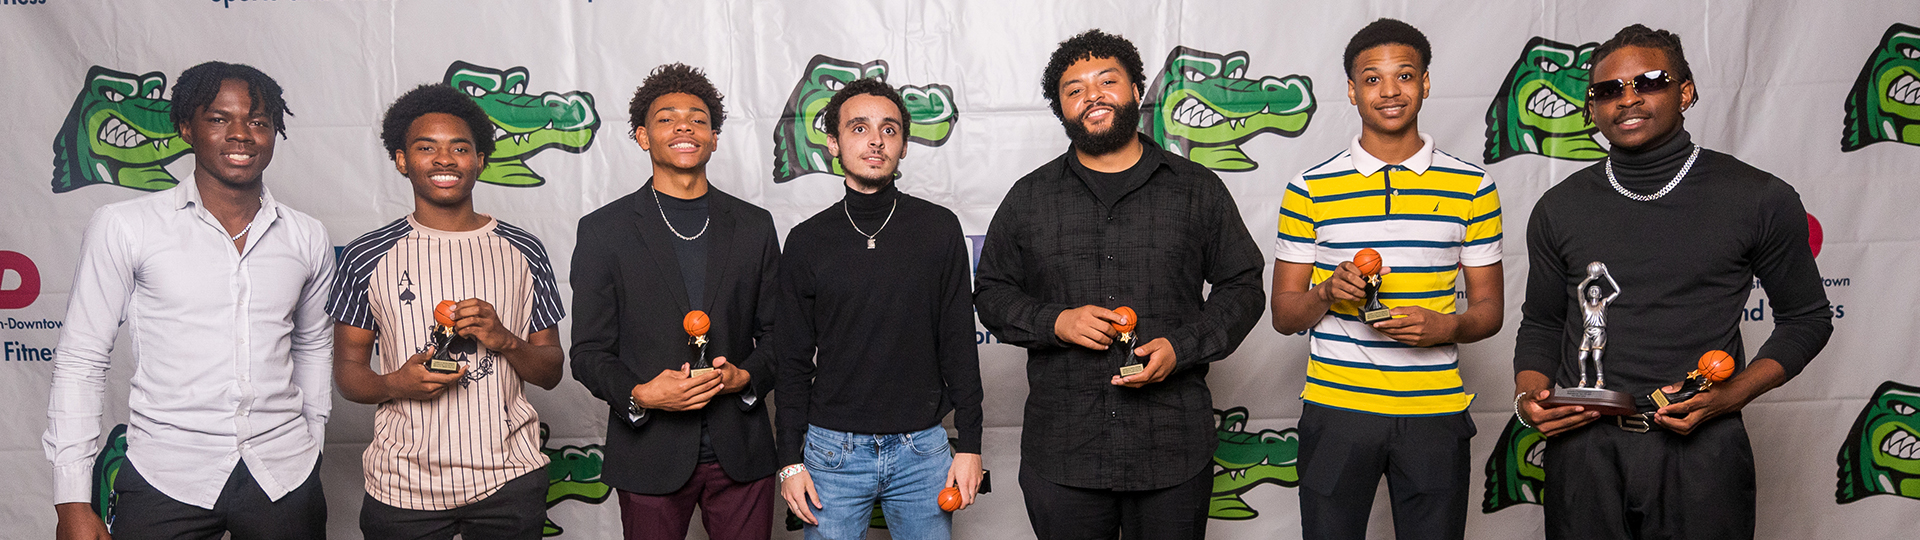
[{"x": 1052, "y": 246}]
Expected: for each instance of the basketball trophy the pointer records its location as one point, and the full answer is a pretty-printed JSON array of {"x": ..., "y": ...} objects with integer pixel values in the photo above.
[
  {"x": 1373, "y": 311},
  {"x": 696, "y": 324},
  {"x": 1715, "y": 366},
  {"x": 1593, "y": 343},
  {"x": 442, "y": 338},
  {"x": 1129, "y": 363}
]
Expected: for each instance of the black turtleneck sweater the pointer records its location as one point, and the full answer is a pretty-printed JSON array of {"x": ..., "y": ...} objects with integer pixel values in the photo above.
[
  {"x": 1686, "y": 263},
  {"x": 878, "y": 340}
]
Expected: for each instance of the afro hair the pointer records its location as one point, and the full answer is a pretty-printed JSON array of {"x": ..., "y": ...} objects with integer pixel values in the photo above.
[
  {"x": 670, "y": 79},
  {"x": 1091, "y": 44},
  {"x": 435, "y": 98}
]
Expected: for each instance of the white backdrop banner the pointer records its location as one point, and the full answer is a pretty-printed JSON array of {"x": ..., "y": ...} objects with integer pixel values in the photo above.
[{"x": 1823, "y": 93}]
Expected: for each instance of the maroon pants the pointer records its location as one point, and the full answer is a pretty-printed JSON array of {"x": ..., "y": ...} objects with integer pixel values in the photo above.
[{"x": 729, "y": 510}]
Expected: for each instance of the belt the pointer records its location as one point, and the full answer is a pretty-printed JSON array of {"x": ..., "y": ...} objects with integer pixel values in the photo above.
[{"x": 1635, "y": 423}]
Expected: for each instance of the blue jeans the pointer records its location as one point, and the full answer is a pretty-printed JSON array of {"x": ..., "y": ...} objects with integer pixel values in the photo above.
[{"x": 903, "y": 472}]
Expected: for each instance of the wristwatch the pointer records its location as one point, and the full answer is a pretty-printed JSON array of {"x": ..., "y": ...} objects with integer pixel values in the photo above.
[{"x": 634, "y": 410}]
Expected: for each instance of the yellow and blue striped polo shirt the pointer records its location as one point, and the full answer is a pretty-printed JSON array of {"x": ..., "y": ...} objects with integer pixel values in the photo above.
[{"x": 1427, "y": 216}]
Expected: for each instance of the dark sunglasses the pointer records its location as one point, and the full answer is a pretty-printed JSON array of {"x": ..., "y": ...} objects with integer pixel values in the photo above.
[{"x": 1645, "y": 83}]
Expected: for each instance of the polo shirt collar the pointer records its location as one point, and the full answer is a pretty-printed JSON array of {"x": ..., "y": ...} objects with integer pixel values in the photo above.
[{"x": 1366, "y": 164}]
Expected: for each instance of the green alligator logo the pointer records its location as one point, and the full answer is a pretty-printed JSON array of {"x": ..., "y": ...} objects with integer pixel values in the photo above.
[
  {"x": 1516, "y": 472},
  {"x": 1882, "y": 452},
  {"x": 1204, "y": 107},
  {"x": 1885, "y": 102},
  {"x": 524, "y": 124},
  {"x": 800, "y": 141},
  {"x": 118, "y": 132},
  {"x": 1244, "y": 460},
  {"x": 106, "y": 473},
  {"x": 1537, "y": 110},
  {"x": 573, "y": 474}
]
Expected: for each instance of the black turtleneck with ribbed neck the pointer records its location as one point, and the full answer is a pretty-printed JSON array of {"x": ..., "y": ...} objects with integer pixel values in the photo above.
[
  {"x": 1686, "y": 263},
  {"x": 879, "y": 340}
]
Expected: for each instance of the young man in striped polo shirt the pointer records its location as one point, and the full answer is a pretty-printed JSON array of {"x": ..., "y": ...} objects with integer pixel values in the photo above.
[
  {"x": 452, "y": 452},
  {"x": 1386, "y": 398}
]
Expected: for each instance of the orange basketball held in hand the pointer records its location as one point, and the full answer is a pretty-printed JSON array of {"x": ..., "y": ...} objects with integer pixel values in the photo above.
[
  {"x": 1368, "y": 260},
  {"x": 443, "y": 313},
  {"x": 950, "y": 499},
  {"x": 696, "y": 323},
  {"x": 1127, "y": 320},
  {"x": 1716, "y": 366}
]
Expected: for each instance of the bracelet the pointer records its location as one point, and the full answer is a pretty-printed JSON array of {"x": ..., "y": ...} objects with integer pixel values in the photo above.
[
  {"x": 1516, "y": 411},
  {"x": 791, "y": 470}
]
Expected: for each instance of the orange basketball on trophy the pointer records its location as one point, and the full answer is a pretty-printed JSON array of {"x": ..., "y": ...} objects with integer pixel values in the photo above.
[
  {"x": 1716, "y": 366},
  {"x": 1127, "y": 320},
  {"x": 443, "y": 313},
  {"x": 950, "y": 499},
  {"x": 696, "y": 323},
  {"x": 1368, "y": 260}
]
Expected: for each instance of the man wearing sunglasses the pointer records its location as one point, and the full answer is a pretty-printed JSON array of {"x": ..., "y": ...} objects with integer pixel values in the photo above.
[{"x": 1684, "y": 231}]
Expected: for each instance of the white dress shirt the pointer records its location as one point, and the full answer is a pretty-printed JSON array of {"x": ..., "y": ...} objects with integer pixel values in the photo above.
[{"x": 232, "y": 349}]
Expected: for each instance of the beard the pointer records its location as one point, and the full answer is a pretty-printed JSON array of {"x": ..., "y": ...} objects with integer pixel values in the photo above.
[
  {"x": 875, "y": 184},
  {"x": 1126, "y": 119}
]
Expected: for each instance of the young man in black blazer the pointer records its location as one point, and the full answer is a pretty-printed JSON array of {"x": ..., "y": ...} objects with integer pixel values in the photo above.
[{"x": 677, "y": 437}]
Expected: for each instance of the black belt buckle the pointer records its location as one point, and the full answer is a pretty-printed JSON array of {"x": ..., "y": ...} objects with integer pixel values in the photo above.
[{"x": 1635, "y": 423}]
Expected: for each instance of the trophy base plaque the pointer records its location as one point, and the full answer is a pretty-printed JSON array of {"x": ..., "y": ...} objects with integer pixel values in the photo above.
[
  {"x": 442, "y": 365},
  {"x": 1376, "y": 315},
  {"x": 696, "y": 372},
  {"x": 1604, "y": 401},
  {"x": 1130, "y": 370}
]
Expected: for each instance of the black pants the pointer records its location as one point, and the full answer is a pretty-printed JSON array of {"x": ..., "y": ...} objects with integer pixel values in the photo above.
[
  {"x": 242, "y": 509},
  {"x": 1425, "y": 459},
  {"x": 516, "y": 511},
  {"x": 1064, "y": 512},
  {"x": 1605, "y": 483}
]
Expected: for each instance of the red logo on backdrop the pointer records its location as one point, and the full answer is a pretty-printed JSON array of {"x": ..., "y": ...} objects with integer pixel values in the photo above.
[
  {"x": 1813, "y": 234},
  {"x": 29, "y": 288}
]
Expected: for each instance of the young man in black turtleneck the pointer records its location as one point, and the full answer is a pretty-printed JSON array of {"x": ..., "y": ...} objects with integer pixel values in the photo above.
[
  {"x": 1684, "y": 231},
  {"x": 876, "y": 342}
]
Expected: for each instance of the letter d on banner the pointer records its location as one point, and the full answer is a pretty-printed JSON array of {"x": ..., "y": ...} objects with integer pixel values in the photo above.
[{"x": 24, "y": 294}]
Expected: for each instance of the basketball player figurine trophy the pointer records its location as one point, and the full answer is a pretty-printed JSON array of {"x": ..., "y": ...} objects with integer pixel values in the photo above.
[
  {"x": 1593, "y": 342},
  {"x": 443, "y": 337},
  {"x": 1715, "y": 366},
  {"x": 1129, "y": 364},
  {"x": 696, "y": 325},
  {"x": 1373, "y": 311}
]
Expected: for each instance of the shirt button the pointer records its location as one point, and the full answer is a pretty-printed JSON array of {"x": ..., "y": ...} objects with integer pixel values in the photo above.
[
  {"x": 1109, "y": 257},
  {"x": 1109, "y": 297}
]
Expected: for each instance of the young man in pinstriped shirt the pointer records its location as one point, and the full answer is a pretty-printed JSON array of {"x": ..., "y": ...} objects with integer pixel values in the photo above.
[
  {"x": 1387, "y": 398},
  {"x": 452, "y": 452}
]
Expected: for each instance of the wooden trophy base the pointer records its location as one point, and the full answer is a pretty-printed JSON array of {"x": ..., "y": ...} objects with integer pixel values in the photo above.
[
  {"x": 1604, "y": 401},
  {"x": 1130, "y": 370}
]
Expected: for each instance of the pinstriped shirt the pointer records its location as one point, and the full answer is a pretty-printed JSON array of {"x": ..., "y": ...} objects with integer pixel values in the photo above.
[
  {"x": 460, "y": 447},
  {"x": 1427, "y": 216}
]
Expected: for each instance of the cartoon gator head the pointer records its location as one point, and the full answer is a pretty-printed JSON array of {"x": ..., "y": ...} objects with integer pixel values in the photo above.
[
  {"x": 1537, "y": 110},
  {"x": 106, "y": 472},
  {"x": 1882, "y": 452},
  {"x": 1516, "y": 472},
  {"x": 118, "y": 132},
  {"x": 1885, "y": 102},
  {"x": 524, "y": 124},
  {"x": 1245, "y": 460},
  {"x": 573, "y": 474},
  {"x": 800, "y": 141},
  {"x": 1204, "y": 107}
]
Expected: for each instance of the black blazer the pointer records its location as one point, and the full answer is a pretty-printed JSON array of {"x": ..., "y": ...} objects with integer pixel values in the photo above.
[{"x": 628, "y": 300}]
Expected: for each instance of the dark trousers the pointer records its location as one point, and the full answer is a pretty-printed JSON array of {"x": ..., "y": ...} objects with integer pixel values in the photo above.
[
  {"x": 1604, "y": 483},
  {"x": 516, "y": 511},
  {"x": 243, "y": 510},
  {"x": 729, "y": 510},
  {"x": 1065, "y": 512},
  {"x": 1425, "y": 459}
]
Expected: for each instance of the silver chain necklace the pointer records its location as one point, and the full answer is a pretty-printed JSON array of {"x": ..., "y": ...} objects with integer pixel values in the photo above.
[
  {"x": 1657, "y": 194},
  {"x": 676, "y": 232},
  {"x": 876, "y": 232}
]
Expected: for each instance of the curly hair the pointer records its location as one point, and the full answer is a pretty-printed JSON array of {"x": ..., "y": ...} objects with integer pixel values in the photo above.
[
  {"x": 1638, "y": 35},
  {"x": 199, "y": 85},
  {"x": 675, "y": 78},
  {"x": 435, "y": 98},
  {"x": 1088, "y": 45},
  {"x": 1387, "y": 32},
  {"x": 871, "y": 87}
]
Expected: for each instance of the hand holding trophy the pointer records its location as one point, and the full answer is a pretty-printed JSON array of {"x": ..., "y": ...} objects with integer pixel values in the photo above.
[
  {"x": 696, "y": 324},
  {"x": 1130, "y": 363},
  {"x": 1714, "y": 366},
  {"x": 1368, "y": 261},
  {"x": 442, "y": 339}
]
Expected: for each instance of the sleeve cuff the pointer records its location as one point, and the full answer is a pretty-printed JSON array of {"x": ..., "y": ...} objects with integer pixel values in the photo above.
[{"x": 73, "y": 484}]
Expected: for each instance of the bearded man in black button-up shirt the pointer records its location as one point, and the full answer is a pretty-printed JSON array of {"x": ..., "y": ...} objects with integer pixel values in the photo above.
[{"x": 1116, "y": 221}]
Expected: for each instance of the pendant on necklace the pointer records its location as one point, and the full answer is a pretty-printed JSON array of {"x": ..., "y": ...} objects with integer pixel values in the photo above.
[{"x": 869, "y": 243}]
